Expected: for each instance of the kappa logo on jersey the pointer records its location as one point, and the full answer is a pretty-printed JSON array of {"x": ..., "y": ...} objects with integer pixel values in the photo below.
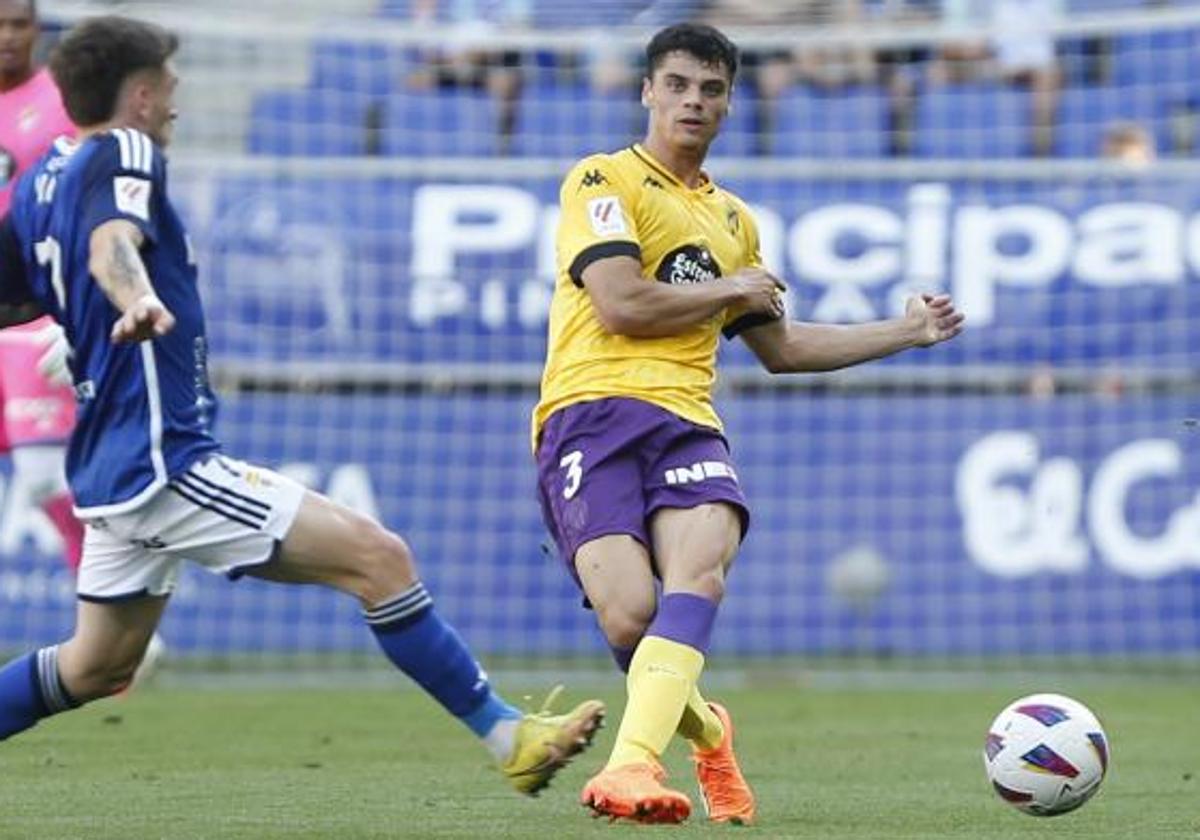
[
  {"x": 606, "y": 216},
  {"x": 593, "y": 178},
  {"x": 652, "y": 182},
  {"x": 733, "y": 220},
  {"x": 132, "y": 196},
  {"x": 689, "y": 264}
]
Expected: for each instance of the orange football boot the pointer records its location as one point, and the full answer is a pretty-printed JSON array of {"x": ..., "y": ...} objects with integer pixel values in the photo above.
[
  {"x": 635, "y": 792},
  {"x": 727, "y": 797}
]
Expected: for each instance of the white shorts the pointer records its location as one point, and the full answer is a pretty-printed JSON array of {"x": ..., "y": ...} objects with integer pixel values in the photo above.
[{"x": 223, "y": 514}]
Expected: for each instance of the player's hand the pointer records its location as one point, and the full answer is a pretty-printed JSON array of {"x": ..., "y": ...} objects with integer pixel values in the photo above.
[
  {"x": 54, "y": 363},
  {"x": 146, "y": 318},
  {"x": 934, "y": 318},
  {"x": 758, "y": 291}
]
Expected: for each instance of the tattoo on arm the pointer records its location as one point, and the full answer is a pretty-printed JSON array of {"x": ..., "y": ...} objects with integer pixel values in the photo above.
[
  {"x": 127, "y": 274},
  {"x": 119, "y": 270}
]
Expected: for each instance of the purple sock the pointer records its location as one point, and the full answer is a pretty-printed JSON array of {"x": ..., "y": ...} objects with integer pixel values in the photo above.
[
  {"x": 685, "y": 618},
  {"x": 623, "y": 657}
]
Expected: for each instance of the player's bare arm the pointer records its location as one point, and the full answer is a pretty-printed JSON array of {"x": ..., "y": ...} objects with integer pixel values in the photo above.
[
  {"x": 116, "y": 264},
  {"x": 798, "y": 347},
  {"x": 628, "y": 304}
]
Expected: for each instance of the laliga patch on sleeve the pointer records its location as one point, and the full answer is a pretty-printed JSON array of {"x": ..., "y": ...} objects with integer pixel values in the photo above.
[
  {"x": 132, "y": 196},
  {"x": 605, "y": 215}
]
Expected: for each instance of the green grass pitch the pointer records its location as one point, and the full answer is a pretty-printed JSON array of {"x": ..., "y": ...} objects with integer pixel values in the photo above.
[{"x": 373, "y": 763}]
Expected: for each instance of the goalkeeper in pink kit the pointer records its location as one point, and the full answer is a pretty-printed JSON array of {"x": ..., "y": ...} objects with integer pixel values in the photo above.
[{"x": 37, "y": 406}]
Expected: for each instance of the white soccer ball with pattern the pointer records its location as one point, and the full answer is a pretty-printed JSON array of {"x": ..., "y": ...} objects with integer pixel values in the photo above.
[{"x": 1046, "y": 754}]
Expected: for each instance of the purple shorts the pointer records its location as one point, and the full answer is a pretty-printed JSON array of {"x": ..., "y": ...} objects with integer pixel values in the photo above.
[{"x": 604, "y": 467}]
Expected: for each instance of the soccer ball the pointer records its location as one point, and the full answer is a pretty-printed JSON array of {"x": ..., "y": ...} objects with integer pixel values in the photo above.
[{"x": 1046, "y": 754}]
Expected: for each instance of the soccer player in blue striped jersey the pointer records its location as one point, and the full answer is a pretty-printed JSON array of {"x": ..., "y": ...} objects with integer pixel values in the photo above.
[{"x": 94, "y": 241}]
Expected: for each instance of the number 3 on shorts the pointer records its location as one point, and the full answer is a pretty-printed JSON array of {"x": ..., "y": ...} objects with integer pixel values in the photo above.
[{"x": 572, "y": 463}]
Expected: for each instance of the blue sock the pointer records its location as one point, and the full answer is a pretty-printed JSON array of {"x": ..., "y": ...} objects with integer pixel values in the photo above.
[
  {"x": 30, "y": 689},
  {"x": 428, "y": 650}
]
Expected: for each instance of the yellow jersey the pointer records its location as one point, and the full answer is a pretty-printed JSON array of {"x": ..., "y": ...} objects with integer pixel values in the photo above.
[{"x": 629, "y": 204}]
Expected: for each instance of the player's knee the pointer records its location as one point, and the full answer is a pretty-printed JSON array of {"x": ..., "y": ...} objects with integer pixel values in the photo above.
[
  {"x": 624, "y": 623},
  {"x": 385, "y": 563}
]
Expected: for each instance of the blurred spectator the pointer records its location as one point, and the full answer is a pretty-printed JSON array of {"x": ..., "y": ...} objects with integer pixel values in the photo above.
[
  {"x": 831, "y": 66},
  {"x": 770, "y": 72},
  {"x": 1110, "y": 384},
  {"x": 1023, "y": 42},
  {"x": 963, "y": 58},
  {"x": 612, "y": 68},
  {"x": 1042, "y": 383},
  {"x": 1128, "y": 143},
  {"x": 900, "y": 68},
  {"x": 474, "y": 62},
  {"x": 1020, "y": 49}
]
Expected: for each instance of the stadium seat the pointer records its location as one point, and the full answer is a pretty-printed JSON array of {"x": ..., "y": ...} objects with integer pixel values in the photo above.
[
  {"x": 365, "y": 68},
  {"x": 544, "y": 13},
  {"x": 440, "y": 123},
  {"x": 572, "y": 122},
  {"x": 396, "y": 9},
  {"x": 557, "y": 14},
  {"x": 849, "y": 123},
  {"x": 973, "y": 121},
  {"x": 1157, "y": 71},
  {"x": 317, "y": 123},
  {"x": 1094, "y": 6},
  {"x": 1170, "y": 57}
]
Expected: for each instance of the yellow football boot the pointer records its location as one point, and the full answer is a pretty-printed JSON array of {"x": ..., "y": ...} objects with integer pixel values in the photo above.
[{"x": 545, "y": 743}]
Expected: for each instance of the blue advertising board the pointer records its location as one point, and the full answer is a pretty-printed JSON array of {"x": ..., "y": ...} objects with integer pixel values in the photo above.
[
  {"x": 349, "y": 269},
  {"x": 899, "y": 525}
]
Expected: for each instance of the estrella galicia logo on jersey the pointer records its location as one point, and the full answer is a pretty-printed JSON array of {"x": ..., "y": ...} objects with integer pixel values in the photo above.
[
  {"x": 689, "y": 264},
  {"x": 592, "y": 178},
  {"x": 8, "y": 166},
  {"x": 648, "y": 181}
]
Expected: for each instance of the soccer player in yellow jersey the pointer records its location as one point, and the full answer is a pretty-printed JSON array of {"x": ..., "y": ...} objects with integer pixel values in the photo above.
[{"x": 636, "y": 481}]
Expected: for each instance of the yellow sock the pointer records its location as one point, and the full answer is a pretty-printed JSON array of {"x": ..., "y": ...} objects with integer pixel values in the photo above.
[
  {"x": 699, "y": 724},
  {"x": 661, "y": 677}
]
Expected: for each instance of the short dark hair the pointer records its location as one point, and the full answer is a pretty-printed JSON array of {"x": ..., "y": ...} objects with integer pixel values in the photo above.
[
  {"x": 93, "y": 60},
  {"x": 704, "y": 42}
]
